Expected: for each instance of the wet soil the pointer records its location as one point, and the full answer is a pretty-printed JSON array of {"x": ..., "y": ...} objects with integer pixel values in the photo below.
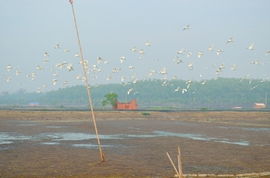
[{"x": 60, "y": 144}]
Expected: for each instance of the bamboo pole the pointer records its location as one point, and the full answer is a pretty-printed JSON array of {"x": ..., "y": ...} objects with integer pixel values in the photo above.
[
  {"x": 177, "y": 173},
  {"x": 179, "y": 163},
  {"x": 86, "y": 83}
]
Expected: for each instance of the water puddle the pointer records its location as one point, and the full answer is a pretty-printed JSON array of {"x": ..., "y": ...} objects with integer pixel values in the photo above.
[
  {"x": 247, "y": 128},
  {"x": 55, "y": 127},
  {"x": 57, "y": 138},
  {"x": 74, "y": 136},
  {"x": 202, "y": 137},
  {"x": 94, "y": 146},
  {"x": 27, "y": 124},
  {"x": 50, "y": 143}
]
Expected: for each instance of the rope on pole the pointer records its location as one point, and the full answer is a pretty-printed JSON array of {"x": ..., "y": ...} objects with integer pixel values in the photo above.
[{"x": 86, "y": 83}]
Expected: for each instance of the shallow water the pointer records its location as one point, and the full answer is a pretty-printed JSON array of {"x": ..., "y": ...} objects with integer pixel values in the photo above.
[
  {"x": 57, "y": 137},
  {"x": 55, "y": 127}
]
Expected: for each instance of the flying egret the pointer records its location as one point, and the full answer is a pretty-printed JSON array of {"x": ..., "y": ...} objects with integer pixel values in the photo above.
[
  {"x": 122, "y": 59},
  {"x": 190, "y": 66},
  {"x": 66, "y": 50},
  {"x": 57, "y": 46},
  {"x": 230, "y": 40},
  {"x": 9, "y": 68},
  {"x": 199, "y": 54},
  {"x": 219, "y": 51},
  {"x": 130, "y": 90},
  {"x": 69, "y": 67},
  {"x": 163, "y": 71},
  {"x": 147, "y": 43},
  {"x": 210, "y": 48},
  {"x": 131, "y": 67},
  {"x": 251, "y": 47},
  {"x": 186, "y": 27}
]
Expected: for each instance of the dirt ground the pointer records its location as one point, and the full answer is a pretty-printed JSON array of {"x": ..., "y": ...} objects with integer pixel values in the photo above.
[{"x": 134, "y": 143}]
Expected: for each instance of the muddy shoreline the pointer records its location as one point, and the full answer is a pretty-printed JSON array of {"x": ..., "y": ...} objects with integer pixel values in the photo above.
[{"x": 52, "y": 144}]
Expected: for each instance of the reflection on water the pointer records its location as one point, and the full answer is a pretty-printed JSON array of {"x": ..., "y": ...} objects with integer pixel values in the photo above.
[
  {"x": 202, "y": 137},
  {"x": 50, "y": 143},
  {"x": 247, "y": 128},
  {"x": 55, "y": 127},
  {"x": 10, "y": 137},
  {"x": 91, "y": 146},
  {"x": 56, "y": 138}
]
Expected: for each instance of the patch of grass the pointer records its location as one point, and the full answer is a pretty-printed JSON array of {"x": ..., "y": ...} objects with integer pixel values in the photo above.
[{"x": 146, "y": 114}]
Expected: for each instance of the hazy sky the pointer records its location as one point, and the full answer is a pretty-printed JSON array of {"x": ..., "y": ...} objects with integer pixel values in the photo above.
[{"x": 109, "y": 29}]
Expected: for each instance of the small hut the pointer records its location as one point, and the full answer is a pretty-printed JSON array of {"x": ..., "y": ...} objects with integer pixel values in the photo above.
[{"x": 132, "y": 105}]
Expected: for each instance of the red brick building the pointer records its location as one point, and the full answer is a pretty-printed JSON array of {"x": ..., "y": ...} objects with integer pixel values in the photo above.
[{"x": 132, "y": 105}]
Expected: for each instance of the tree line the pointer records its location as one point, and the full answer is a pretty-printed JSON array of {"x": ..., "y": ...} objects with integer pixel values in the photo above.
[{"x": 218, "y": 93}]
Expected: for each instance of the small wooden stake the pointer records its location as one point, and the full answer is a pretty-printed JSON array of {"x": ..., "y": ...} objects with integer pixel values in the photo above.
[{"x": 179, "y": 163}]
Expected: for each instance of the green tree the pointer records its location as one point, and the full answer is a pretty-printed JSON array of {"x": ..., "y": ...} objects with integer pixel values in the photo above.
[{"x": 110, "y": 98}]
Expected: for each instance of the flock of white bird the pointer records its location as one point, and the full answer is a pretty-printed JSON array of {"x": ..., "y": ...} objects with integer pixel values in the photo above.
[{"x": 93, "y": 69}]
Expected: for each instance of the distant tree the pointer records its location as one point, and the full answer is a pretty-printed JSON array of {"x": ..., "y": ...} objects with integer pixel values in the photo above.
[{"x": 111, "y": 99}]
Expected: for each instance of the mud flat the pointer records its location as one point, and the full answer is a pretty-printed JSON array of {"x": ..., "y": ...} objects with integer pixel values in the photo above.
[{"x": 62, "y": 144}]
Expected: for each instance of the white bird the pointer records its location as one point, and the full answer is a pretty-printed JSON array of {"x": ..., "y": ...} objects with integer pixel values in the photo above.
[
  {"x": 123, "y": 79},
  {"x": 54, "y": 81},
  {"x": 181, "y": 51},
  {"x": 203, "y": 82},
  {"x": 230, "y": 40},
  {"x": 184, "y": 90},
  {"x": 189, "y": 54},
  {"x": 151, "y": 73},
  {"x": 256, "y": 62},
  {"x": 69, "y": 67},
  {"x": 8, "y": 79},
  {"x": 109, "y": 78},
  {"x": 210, "y": 48},
  {"x": 163, "y": 71},
  {"x": 38, "y": 67},
  {"x": 219, "y": 51},
  {"x": 99, "y": 60},
  {"x": 134, "y": 49},
  {"x": 9, "y": 68},
  {"x": 135, "y": 81},
  {"x": 234, "y": 67},
  {"x": 131, "y": 67},
  {"x": 17, "y": 72},
  {"x": 78, "y": 77},
  {"x": 147, "y": 43},
  {"x": 178, "y": 60},
  {"x": 61, "y": 65},
  {"x": 251, "y": 47},
  {"x": 46, "y": 54},
  {"x": 122, "y": 59},
  {"x": 190, "y": 66},
  {"x": 186, "y": 27},
  {"x": 199, "y": 54},
  {"x": 177, "y": 89},
  {"x": 66, "y": 50},
  {"x": 115, "y": 70},
  {"x": 141, "y": 51},
  {"x": 165, "y": 83},
  {"x": 57, "y": 46},
  {"x": 130, "y": 90}
]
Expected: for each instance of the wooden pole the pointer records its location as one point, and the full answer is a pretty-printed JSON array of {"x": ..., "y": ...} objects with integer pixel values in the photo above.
[
  {"x": 172, "y": 163},
  {"x": 179, "y": 163},
  {"x": 86, "y": 83}
]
